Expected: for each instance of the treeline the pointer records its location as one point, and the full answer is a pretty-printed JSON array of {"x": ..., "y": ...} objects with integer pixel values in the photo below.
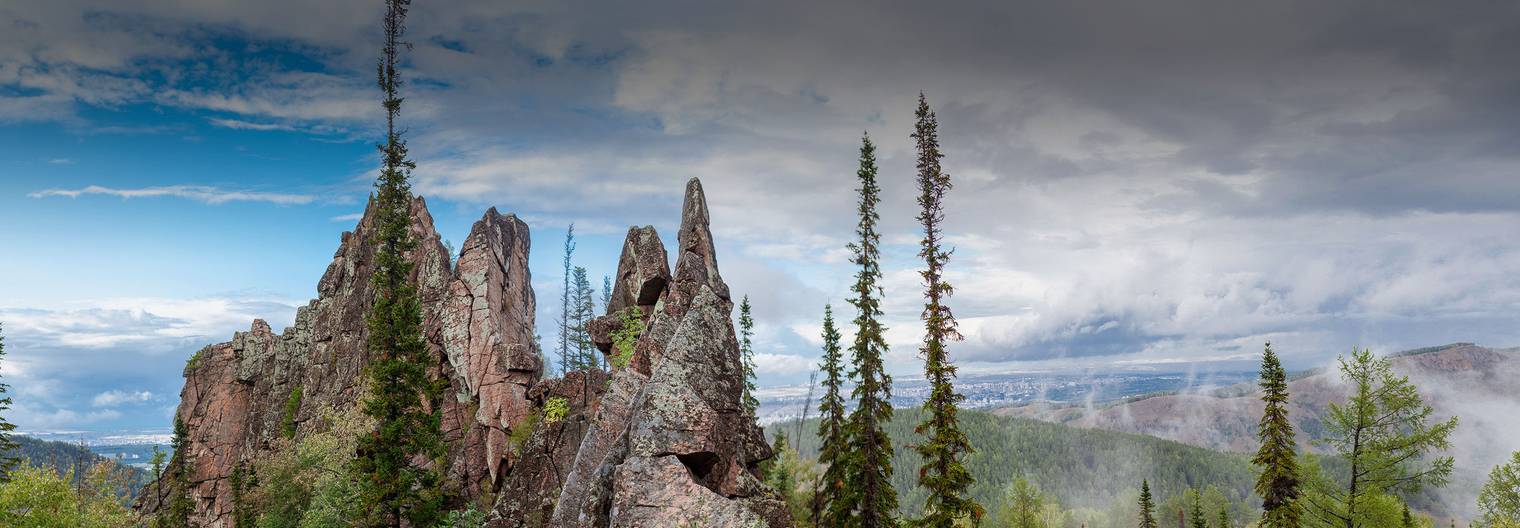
[{"x": 1085, "y": 471}]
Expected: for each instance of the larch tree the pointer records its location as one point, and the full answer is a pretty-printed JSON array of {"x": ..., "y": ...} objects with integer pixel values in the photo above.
[
  {"x": 8, "y": 446},
  {"x": 1383, "y": 434},
  {"x": 1277, "y": 485},
  {"x": 1022, "y": 505},
  {"x": 833, "y": 450},
  {"x": 405, "y": 403},
  {"x": 1499, "y": 499},
  {"x": 747, "y": 354},
  {"x": 942, "y": 475},
  {"x": 868, "y": 488},
  {"x": 566, "y": 308},
  {"x": 1147, "y": 506}
]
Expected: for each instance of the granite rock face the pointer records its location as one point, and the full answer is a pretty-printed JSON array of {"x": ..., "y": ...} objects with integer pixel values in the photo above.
[{"x": 659, "y": 443}]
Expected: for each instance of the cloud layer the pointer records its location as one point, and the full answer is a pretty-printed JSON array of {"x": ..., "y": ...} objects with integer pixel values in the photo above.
[{"x": 1148, "y": 183}]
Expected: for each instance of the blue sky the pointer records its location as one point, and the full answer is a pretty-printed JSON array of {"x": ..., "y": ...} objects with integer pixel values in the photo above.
[{"x": 1149, "y": 186}]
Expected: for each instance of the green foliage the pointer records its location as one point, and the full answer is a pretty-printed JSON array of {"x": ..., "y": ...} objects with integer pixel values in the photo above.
[
  {"x": 292, "y": 406},
  {"x": 868, "y": 491},
  {"x": 8, "y": 458},
  {"x": 1022, "y": 505},
  {"x": 306, "y": 483},
  {"x": 179, "y": 506},
  {"x": 1499, "y": 500},
  {"x": 626, "y": 336},
  {"x": 831, "y": 422},
  {"x": 566, "y": 306},
  {"x": 747, "y": 355},
  {"x": 1383, "y": 433},
  {"x": 795, "y": 477},
  {"x": 1278, "y": 482},
  {"x": 467, "y": 518},
  {"x": 555, "y": 409},
  {"x": 195, "y": 360},
  {"x": 37, "y": 497},
  {"x": 1195, "y": 515},
  {"x": 1147, "y": 506},
  {"x": 520, "y": 433},
  {"x": 583, "y": 354},
  {"x": 943, "y": 475},
  {"x": 1091, "y": 471}
]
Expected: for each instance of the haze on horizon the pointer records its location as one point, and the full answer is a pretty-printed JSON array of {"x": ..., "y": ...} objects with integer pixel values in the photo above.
[{"x": 1154, "y": 185}]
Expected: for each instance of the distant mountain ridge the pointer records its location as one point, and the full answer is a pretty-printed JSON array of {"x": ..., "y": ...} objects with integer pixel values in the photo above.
[{"x": 1478, "y": 384}]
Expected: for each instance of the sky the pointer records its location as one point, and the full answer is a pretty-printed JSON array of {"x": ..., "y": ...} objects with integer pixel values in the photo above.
[{"x": 1138, "y": 185}]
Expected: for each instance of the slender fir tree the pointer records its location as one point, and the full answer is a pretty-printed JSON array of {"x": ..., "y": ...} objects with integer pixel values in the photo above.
[
  {"x": 583, "y": 354},
  {"x": 942, "y": 474},
  {"x": 606, "y": 293},
  {"x": 747, "y": 352},
  {"x": 179, "y": 509},
  {"x": 1147, "y": 506},
  {"x": 401, "y": 398},
  {"x": 1278, "y": 483},
  {"x": 833, "y": 449},
  {"x": 1224, "y": 517},
  {"x": 1197, "y": 512},
  {"x": 868, "y": 484},
  {"x": 565, "y": 306},
  {"x": 8, "y": 459}
]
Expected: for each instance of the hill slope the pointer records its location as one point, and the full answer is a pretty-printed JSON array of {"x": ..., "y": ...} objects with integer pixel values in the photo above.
[
  {"x": 1478, "y": 384},
  {"x": 1082, "y": 468},
  {"x": 63, "y": 456}
]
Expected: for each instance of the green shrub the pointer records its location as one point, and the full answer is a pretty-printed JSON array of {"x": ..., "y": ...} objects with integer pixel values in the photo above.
[
  {"x": 520, "y": 433},
  {"x": 624, "y": 338},
  {"x": 292, "y": 406},
  {"x": 555, "y": 409}
]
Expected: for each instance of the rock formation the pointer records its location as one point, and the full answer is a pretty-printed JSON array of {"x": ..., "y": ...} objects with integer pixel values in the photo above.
[{"x": 662, "y": 442}]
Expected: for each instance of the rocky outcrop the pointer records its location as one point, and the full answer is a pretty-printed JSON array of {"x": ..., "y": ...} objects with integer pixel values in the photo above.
[{"x": 662, "y": 442}]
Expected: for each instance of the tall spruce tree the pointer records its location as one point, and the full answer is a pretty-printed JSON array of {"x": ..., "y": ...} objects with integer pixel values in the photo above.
[
  {"x": 833, "y": 449},
  {"x": 566, "y": 308},
  {"x": 1197, "y": 512},
  {"x": 1224, "y": 517},
  {"x": 1385, "y": 436},
  {"x": 401, "y": 398},
  {"x": 606, "y": 292},
  {"x": 1147, "y": 506},
  {"x": 747, "y": 353},
  {"x": 942, "y": 474},
  {"x": 868, "y": 488},
  {"x": 1277, "y": 458},
  {"x": 8, "y": 447},
  {"x": 179, "y": 509}
]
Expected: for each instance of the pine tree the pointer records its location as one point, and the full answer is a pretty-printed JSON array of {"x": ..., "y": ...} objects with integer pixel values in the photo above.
[
  {"x": 1147, "y": 506},
  {"x": 1197, "y": 512},
  {"x": 8, "y": 459},
  {"x": 778, "y": 476},
  {"x": 606, "y": 293},
  {"x": 747, "y": 353},
  {"x": 1384, "y": 435},
  {"x": 1224, "y": 517},
  {"x": 401, "y": 398},
  {"x": 833, "y": 449},
  {"x": 943, "y": 474},
  {"x": 156, "y": 465},
  {"x": 1278, "y": 482},
  {"x": 566, "y": 307},
  {"x": 180, "y": 508},
  {"x": 868, "y": 483}
]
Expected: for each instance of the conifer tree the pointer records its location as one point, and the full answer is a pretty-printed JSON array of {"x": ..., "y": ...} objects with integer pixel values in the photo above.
[
  {"x": 1278, "y": 483},
  {"x": 1147, "y": 506},
  {"x": 1408, "y": 519},
  {"x": 1197, "y": 512},
  {"x": 778, "y": 476},
  {"x": 606, "y": 291},
  {"x": 868, "y": 488},
  {"x": 583, "y": 354},
  {"x": 943, "y": 474},
  {"x": 833, "y": 449},
  {"x": 1224, "y": 517},
  {"x": 1385, "y": 436},
  {"x": 8, "y": 459},
  {"x": 401, "y": 398},
  {"x": 178, "y": 511},
  {"x": 747, "y": 353},
  {"x": 565, "y": 306}
]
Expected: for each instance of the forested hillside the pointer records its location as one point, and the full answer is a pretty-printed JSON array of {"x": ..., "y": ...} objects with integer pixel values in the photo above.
[
  {"x": 1081, "y": 468},
  {"x": 63, "y": 456}
]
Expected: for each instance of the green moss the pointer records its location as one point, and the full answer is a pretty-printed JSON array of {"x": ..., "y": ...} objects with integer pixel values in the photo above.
[
  {"x": 292, "y": 406},
  {"x": 519, "y": 435}
]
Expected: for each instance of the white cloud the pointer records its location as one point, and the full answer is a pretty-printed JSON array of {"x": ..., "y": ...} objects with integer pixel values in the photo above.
[
  {"x": 113, "y": 398},
  {"x": 199, "y": 193}
]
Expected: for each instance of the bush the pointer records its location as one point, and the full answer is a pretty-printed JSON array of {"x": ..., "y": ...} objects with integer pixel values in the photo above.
[
  {"x": 38, "y": 497},
  {"x": 624, "y": 338}
]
